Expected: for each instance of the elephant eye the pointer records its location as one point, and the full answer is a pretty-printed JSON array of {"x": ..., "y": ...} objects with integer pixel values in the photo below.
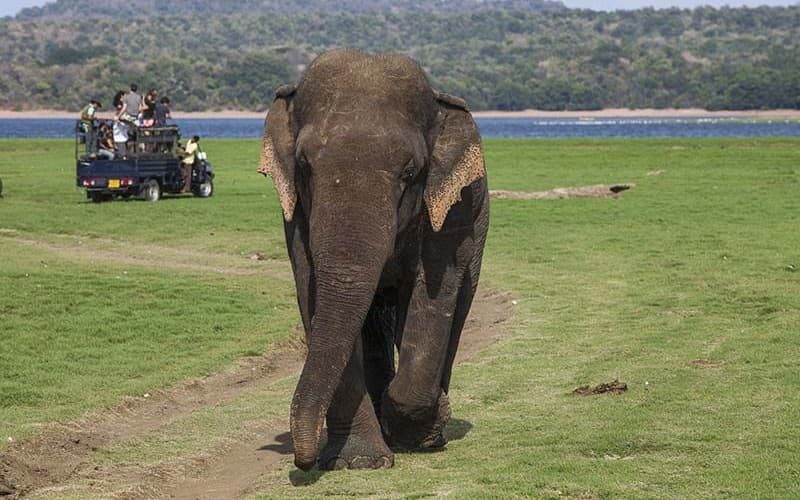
[
  {"x": 303, "y": 163},
  {"x": 407, "y": 175}
]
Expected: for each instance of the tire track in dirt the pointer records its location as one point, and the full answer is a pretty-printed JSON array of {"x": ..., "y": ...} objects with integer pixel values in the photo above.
[
  {"x": 59, "y": 459},
  {"x": 63, "y": 452},
  {"x": 94, "y": 250}
]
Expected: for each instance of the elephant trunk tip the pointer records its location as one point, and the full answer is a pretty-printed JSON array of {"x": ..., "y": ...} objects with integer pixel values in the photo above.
[
  {"x": 306, "y": 427},
  {"x": 305, "y": 454},
  {"x": 303, "y": 463}
]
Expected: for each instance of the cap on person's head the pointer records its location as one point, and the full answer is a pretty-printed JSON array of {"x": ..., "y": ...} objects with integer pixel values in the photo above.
[
  {"x": 134, "y": 88},
  {"x": 96, "y": 103},
  {"x": 196, "y": 138}
]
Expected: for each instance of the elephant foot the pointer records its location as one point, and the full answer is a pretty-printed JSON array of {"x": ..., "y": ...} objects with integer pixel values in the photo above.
[
  {"x": 415, "y": 428},
  {"x": 355, "y": 452}
]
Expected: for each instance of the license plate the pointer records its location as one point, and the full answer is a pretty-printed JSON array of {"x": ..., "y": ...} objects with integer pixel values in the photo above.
[{"x": 113, "y": 183}]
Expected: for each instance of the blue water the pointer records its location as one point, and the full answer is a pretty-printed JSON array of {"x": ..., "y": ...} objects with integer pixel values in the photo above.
[{"x": 490, "y": 127}]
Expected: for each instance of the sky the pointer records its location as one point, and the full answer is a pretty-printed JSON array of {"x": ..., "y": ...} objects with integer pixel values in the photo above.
[{"x": 11, "y": 7}]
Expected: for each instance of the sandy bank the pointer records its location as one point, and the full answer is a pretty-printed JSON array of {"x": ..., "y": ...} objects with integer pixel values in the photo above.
[
  {"x": 643, "y": 113},
  {"x": 530, "y": 113}
]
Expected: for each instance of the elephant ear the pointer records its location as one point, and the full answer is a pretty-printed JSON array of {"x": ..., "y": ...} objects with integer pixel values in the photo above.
[
  {"x": 277, "y": 151},
  {"x": 456, "y": 161}
]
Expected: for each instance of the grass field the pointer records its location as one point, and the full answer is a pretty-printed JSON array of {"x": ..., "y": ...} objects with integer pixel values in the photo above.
[{"x": 687, "y": 289}]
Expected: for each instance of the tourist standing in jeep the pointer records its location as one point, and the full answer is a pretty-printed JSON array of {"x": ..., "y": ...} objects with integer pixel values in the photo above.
[
  {"x": 87, "y": 124},
  {"x": 132, "y": 103}
]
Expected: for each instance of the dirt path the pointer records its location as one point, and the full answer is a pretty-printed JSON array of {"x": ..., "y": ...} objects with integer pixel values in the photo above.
[
  {"x": 595, "y": 191},
  {"x": 59, "y": 461},
  {"x": 153, "y": 256},
  {"x": 63, "y": 451}
]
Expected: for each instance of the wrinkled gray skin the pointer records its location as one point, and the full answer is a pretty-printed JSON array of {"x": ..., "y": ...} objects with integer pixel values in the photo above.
[{"x": 383, "y": 189}]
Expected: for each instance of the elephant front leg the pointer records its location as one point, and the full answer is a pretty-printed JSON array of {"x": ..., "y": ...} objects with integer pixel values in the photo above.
[
  {"x": 354, "y": 435},
  {"x": 296, "y": 233},
  {"x": 415, "y": 409}
]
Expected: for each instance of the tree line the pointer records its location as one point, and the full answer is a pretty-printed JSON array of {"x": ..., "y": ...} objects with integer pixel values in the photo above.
[{"x": 552, "y": 59}]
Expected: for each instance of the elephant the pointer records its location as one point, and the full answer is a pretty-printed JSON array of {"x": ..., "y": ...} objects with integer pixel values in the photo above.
[{"x": 383, "y": 191}]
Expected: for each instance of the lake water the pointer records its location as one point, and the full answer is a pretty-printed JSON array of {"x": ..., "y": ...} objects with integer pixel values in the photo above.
[{"x": 490, "y": 128}]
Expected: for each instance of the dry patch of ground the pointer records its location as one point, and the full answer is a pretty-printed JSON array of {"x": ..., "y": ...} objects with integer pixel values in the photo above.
[
  {"x": 595, "y": 191},
  {"x": 94, "y": 250},
  {"x": 705, "y": 363}
]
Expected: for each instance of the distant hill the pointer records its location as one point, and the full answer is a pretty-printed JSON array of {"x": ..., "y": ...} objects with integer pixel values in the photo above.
[
  {"x": 553, "y": 59},
  {"x": 78, "y": 9}
]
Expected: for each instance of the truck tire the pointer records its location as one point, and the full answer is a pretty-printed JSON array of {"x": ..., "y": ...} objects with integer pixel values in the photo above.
[
  {"x": 98, "y": 197},
  {"x": 204, "y": 189},
  {"x": 151, "y": 190}
]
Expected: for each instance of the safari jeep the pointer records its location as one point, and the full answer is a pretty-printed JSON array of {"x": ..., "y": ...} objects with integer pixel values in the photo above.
[{"x": 150, "y": 168}]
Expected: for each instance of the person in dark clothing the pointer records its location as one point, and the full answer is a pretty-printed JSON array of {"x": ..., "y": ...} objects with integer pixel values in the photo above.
[
  {"x": 149, "y": 108},
  {"x": 105, "y": 142},
  {"x": 118, "y": 99},
  {"x": 120, "y": 107},
  {"x": 162, "y": 112}
]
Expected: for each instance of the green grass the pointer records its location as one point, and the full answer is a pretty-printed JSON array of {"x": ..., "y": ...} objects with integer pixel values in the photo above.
[
  {"x": 41, "y": 198},
  {"x": 79, "y": 334},
  {"x": 696, "y": 264}
]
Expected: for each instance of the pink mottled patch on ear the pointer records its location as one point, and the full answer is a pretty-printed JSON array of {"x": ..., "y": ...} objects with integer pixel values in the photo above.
[
  {"x": 270, "y": 167},
  {"x": 467, "y": 170}
]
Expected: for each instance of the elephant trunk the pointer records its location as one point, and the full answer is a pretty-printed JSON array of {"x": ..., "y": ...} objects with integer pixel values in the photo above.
[{"x": 346, "y": 279}]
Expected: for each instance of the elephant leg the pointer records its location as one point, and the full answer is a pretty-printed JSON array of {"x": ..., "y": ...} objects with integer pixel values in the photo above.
[
  {"x": 415, "y": 409},
  {"x": 296, "y": 233},
  {"x": 378, "y": 344},
  {"x": 354, "y": 435},
  {"x": 469, "y": 286},
  {"x": 463, "y": 305}
]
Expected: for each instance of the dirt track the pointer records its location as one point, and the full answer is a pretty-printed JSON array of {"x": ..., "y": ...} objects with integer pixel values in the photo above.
[
  {"x": 154, "y": 256},
  {"x": 59, "y": 460},
  {"x": 595, "y": 191}
]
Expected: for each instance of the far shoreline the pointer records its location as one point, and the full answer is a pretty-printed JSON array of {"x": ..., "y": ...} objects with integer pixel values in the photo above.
[{"x": 778, "y": 114}]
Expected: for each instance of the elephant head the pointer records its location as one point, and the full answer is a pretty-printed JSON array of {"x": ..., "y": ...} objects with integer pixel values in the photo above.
[{"x": 364, "y": 155}]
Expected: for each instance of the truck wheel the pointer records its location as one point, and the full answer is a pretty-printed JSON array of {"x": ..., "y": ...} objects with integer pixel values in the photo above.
[
  {"x": 98, "y": 197},
  {"x": 151, "y": 191},
  {"x": 205, "y": 189}
]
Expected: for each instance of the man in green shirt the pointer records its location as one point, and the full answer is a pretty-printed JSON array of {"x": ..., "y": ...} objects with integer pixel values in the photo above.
[{"x": 87, "y": 124}]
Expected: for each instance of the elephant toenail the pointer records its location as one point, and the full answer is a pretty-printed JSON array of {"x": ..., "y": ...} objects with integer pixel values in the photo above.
[
  {"x": 361, "y": 463},
  {"x": 336, "y": 464}
]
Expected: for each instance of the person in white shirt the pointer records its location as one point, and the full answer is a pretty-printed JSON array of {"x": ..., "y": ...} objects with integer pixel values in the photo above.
[{"x": 121, "y": 138}]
